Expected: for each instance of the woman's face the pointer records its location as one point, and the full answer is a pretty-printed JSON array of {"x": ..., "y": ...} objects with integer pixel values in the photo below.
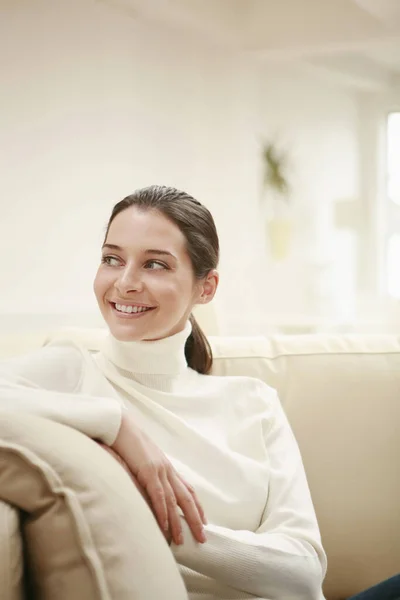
[{"x": 145, "y": 285}]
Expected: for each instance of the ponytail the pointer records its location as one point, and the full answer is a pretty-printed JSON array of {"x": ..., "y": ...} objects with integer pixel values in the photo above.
[{"x": 198, "y": 350}]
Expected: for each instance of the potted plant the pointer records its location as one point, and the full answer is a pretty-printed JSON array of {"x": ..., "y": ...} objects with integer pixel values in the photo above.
[{"x": 276, "y": 199}]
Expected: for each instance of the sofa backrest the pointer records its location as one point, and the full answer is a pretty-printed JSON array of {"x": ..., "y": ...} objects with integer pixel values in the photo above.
[{"x": 342, "y": 397}]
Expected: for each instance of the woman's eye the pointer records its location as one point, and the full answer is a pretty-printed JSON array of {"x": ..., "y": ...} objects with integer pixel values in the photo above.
[
  {"x": 111, "y": 261},
  {"x": 155, "y": 265}
]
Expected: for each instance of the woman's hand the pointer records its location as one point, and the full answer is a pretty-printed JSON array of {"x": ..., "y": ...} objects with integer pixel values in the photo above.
[
  {"x": 164, "y": 487},
  {"x": 145, "y": 496},
  {"x": 121, "y": 461}
]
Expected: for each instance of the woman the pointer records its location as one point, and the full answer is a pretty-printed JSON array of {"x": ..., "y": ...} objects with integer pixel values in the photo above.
[{"x": 148, "y": 398}]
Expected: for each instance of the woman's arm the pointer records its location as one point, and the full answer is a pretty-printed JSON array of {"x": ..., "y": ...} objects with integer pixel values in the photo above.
[
  {"x": 47, "y": 383},
  {"x": 284, "y": 558}
]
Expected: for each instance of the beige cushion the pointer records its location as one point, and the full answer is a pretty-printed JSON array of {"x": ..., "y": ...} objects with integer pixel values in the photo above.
[
  {"x": 11, "y": 559},
  {"x": 89, "y": 534}
]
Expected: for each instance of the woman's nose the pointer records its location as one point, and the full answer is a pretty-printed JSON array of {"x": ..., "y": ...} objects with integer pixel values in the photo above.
[{"x": 129, "y": 281}]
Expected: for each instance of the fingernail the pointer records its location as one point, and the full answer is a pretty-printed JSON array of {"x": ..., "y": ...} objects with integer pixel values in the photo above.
[
  {"x": 203, "y": 536},
  {"x": 166, "y": 526},
  {"x": 180, "y": 539}
]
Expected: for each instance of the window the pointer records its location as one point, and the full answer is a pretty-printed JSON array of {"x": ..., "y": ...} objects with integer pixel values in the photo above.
[{"x": 393, "y": 205}]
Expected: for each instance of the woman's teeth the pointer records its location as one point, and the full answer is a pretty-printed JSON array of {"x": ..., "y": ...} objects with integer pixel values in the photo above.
[{"x": 131, "y": 309}]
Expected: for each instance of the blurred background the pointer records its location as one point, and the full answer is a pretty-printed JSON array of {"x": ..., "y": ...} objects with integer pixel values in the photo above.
[{"x": 283, "y": 117}]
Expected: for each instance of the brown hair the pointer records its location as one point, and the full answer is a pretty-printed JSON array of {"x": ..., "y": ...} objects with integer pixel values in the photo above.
[{"x": 202, "y": 244}]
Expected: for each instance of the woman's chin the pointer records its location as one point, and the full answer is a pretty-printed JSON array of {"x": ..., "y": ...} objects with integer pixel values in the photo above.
[{"x": 126, "y": 332}]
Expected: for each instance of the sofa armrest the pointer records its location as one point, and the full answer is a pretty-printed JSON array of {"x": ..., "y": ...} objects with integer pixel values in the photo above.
[
  {"x": 11, "y": 557},
  {"x": 88, "y": 532}
]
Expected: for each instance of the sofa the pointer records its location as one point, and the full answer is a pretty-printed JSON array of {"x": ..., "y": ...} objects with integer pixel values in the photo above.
[{"x": 73, "y": 526}]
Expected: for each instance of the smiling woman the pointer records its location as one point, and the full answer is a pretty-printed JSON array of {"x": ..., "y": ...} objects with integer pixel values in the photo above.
[
  {"x": 214, "y": 457},
  {"x": 159, "y": 259}
]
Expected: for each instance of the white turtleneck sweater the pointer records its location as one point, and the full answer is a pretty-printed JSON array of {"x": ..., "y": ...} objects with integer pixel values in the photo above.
[{"x": 228, "y": 436}]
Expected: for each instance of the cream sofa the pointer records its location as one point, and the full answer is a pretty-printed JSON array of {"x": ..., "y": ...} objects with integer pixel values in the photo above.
[{"x": 86, "y": 534}]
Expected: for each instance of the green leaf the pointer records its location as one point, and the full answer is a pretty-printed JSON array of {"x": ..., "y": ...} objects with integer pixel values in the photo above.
[{"x": 275, "y": 166}]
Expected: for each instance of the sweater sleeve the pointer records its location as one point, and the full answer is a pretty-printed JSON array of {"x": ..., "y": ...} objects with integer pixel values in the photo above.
[
  {"x": 284, "y": 557},
  {"x": 47, "y": 383}
]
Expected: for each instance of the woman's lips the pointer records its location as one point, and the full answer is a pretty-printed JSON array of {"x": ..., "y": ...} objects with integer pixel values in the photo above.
[{"x": 131, "y": 315}]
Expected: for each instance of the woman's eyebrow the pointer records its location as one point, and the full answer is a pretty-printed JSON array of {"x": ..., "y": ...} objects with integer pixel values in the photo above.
[
  {"x": 160, "y": 252},
  {"x": 112, "y": 247},
  {"x": 148, "y": 251}
]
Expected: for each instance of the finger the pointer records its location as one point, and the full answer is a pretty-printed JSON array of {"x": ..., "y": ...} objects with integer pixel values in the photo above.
[
  {"x": 185, "y": 500},
  {"x": 156, "y": 494},
  {"x": 175, "y": 526},
  {"x": 195, "y": 499},
  {"x": 141, "y": 490}
]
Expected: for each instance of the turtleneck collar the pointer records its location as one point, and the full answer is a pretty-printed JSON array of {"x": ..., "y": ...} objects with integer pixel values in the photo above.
[{"x": 159, "y": 357}]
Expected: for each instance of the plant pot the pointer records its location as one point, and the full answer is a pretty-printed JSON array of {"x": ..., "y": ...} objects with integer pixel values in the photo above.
[{"x": 280, "y": 233}]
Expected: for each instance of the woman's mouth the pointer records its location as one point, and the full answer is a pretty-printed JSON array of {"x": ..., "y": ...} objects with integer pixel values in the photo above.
[{"x": 131, "y": 311}]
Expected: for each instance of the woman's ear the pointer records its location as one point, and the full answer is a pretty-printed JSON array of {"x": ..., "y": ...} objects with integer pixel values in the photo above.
[{"x": 208, "y": 287}]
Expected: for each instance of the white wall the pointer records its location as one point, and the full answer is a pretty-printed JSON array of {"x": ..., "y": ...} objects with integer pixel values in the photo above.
[
  {"x": 95, "y": 104},
  {"x": 317, "y": 123}
]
